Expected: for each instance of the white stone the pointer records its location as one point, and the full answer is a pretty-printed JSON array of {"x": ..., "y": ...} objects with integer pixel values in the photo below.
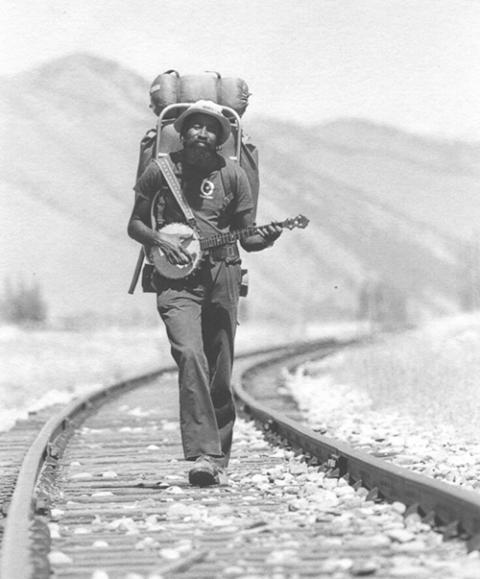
[
  {"x": 344, "y": 491},
  {"x": 461, "y": 459},
  {"x": 175, "y": 490},
  {"x": 309, "y": 488},
  {"x": 100, "y": 544},
  {"x": 332, "y": 565},
  {"x": 285, "y": 556},
  {"x": 54, "y": 529},
  {"x": 369, "y": 542},
  {"x": 59, "y": 558},
  {"x": 81, "y": 476},
  {"x": 400, "y": 535},
  {"x": 259, "y": 479},
  {"x": 408, "y": 571},
  {"x": 399, "y": 507},
  {"x": 324, "y": 499},
  {"x": 146, "y": 543},
  {"x": 56, "y": 513},
  {"x": 410, "y": 547},
  {"x": 330, "y": 483},
  {"x": 233, "y": 570},
  {"x": 296, "y": 467},
  {"x": 180, "y": 510},
  {"x": 124, "y": 524},
  {"x": 170, "y": 554}
]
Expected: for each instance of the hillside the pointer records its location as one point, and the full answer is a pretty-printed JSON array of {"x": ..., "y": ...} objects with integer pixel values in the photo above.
[{"x": 383, "y": 204}]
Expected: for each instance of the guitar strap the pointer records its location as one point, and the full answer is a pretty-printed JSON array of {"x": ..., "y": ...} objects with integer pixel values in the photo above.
[{"x": 168, "y": 172}]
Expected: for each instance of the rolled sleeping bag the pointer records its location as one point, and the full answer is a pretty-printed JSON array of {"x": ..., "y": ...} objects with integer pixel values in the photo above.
[
  {"x": 170, "y": 88},
  {"x": 164, "y": 90},
  {"x": 233, "y": 92},
  {"x": 195, "y": 87}
]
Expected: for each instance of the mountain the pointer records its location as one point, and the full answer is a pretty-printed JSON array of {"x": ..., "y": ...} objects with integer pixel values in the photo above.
[{"x": 384, "y": 205}]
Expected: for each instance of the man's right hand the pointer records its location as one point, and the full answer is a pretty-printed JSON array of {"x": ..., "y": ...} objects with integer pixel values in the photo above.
[{"x": 172, "y": 249}]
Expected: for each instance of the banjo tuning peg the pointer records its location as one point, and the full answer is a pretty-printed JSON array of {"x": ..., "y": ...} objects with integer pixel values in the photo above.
[{"x": 301, "y": 221}]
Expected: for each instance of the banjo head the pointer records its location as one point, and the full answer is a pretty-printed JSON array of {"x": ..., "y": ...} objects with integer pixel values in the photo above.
[{"x": 189, "y": 240}]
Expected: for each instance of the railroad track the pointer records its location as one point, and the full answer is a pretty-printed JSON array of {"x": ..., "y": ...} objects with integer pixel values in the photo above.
[{"x": 82, "y": 472}]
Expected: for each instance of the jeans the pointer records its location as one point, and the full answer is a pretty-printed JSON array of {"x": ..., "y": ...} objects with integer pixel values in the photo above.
[{"x": 200, "y": 315}]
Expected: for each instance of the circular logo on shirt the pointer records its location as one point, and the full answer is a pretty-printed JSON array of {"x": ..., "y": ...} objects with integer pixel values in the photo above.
[{"x": 206, "y": 189}]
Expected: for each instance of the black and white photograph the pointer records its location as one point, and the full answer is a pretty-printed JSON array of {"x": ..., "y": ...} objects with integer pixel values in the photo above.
[{"x": 240, "y": 289}]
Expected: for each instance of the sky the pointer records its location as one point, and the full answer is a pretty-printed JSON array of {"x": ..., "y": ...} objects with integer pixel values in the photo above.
[{"x": 414, "y": 64}]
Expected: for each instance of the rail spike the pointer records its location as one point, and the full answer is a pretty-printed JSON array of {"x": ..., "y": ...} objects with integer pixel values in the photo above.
[
  {"x": 451, "y": 530},
  {"x": 473, "y": 544}
]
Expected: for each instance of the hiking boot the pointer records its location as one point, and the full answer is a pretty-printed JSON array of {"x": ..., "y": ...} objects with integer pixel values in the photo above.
[{"x": 204, "y": 472}]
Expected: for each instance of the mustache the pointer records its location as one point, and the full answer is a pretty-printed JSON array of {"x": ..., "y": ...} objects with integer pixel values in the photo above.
[{"x": 192, "y": 143}]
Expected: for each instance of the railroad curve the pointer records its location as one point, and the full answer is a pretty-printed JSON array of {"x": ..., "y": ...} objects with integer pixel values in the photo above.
[{"x": 31, "y": 506}]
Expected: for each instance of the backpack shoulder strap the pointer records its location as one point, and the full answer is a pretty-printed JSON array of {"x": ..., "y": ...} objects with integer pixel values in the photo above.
[
  {"x": 228, "y": 176},
  {"x": 147, "y": 152}
]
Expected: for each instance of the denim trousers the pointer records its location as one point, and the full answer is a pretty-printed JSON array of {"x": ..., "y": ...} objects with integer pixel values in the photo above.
[{"x": 200, "y": 316}]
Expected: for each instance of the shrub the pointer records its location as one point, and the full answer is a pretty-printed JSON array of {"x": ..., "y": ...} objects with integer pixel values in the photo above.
[{"x": 23, "y": 303}]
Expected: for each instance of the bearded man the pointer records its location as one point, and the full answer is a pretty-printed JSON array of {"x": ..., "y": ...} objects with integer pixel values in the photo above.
[{"x": 200, "y": 312}]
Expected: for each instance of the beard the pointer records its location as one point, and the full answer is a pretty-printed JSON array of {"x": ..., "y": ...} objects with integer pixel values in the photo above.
[{"x": 199, "y": 157}]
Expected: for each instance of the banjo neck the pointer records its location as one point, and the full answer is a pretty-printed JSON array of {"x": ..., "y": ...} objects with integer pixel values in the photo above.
[
  {"x": 232, "y": 236},
  {"x": 226, "y": 238}
]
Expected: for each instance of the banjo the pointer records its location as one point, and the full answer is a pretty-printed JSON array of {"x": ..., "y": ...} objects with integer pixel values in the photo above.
[{"x": 198, "y": 247}]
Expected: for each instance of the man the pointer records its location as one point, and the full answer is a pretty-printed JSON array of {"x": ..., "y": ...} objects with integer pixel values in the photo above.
[{"x": 200, "y": 312}]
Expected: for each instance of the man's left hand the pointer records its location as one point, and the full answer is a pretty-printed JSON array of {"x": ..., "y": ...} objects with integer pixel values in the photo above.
[{"x": 270, "y": 232}]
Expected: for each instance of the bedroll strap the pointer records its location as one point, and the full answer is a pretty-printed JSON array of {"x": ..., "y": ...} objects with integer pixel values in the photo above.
[{"x": 168, "y": 172}]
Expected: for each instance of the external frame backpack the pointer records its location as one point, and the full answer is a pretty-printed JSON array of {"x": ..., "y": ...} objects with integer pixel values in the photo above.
[
  {"x": 170, "y": 94},
  {"x": 169, "y": 88}
]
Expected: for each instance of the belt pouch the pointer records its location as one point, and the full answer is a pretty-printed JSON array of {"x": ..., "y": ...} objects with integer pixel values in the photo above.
[
  {"x": 147, "y": 278},
  {"x": 244, "y": 283}
]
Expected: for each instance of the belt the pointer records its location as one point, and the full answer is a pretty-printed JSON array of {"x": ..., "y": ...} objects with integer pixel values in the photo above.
[{"x": 224, "y": 252}]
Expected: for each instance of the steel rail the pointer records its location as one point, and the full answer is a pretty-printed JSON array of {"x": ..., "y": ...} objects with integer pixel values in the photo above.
[
  {"x": 16, "y": 561},
  {"x": 454, "y": 508}
]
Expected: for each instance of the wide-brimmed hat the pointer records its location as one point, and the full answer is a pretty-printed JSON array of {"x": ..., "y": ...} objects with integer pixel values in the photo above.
[{"x": 206, "y": 108}]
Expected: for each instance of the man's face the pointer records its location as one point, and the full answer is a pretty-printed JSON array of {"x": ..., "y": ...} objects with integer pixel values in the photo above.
[{"x": 201, "y": 131}]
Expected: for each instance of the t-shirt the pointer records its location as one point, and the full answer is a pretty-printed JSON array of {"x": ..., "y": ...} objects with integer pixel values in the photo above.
[{"x": 214, "y": 198}]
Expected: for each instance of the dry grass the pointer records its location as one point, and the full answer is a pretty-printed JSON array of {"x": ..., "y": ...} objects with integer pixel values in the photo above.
[
  {"x": 40, "y": 368},
  {"x": 432, "y": 373}
]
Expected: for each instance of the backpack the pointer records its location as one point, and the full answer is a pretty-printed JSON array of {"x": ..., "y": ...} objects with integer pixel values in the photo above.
[{"x": 169, "y": 89}]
